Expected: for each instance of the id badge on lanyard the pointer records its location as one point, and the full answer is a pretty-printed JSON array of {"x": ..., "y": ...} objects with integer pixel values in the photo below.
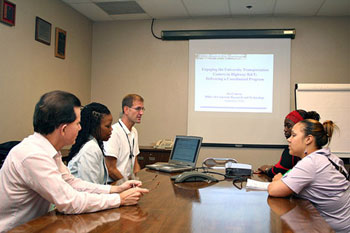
[{"x": 131, "y": 155}]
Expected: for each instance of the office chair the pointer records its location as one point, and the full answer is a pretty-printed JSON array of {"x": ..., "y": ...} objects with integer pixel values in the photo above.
[{"x": 5, "y": 149}]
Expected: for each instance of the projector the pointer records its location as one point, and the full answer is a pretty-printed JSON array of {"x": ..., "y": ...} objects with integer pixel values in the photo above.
[{"x": 238, "y": 169}]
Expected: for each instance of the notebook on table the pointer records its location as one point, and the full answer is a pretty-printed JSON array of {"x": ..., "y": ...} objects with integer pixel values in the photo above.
[{"x": 183, "y": 156}]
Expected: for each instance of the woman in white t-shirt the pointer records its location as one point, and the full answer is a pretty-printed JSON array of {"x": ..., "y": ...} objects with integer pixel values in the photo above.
[
  {"x": 319, "y": 177},
  {"x": 87, "y": 155}
]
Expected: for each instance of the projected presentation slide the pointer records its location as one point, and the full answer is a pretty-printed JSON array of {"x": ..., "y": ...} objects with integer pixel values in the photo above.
[{"x": 234, "y": 82}]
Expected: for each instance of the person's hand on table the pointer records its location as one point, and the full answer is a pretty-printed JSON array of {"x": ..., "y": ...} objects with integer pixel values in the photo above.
[
  {"x": 132, "y": 196},
  {"x": 130, "y": 184},
  {"x": 277, "y": 177},
  {"x": 126, "y": 185},
  {"x": 263, "y": 169}
]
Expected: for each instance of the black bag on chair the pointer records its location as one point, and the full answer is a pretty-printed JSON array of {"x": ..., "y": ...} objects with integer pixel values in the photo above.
[{"x": 5, "y": 149}]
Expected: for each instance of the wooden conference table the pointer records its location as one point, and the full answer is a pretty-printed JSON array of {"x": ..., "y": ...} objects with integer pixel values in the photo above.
[{"x": 191, "y": 207}]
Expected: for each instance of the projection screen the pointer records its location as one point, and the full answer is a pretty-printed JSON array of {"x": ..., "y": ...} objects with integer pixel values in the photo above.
[{"x": 239, "y": 90}]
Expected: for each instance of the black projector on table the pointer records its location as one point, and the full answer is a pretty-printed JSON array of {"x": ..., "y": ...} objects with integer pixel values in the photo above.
[{"x": 238, "y": 169}]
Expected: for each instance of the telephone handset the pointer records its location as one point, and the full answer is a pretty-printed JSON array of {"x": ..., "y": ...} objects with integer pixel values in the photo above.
[{"x": 164, "y": 144}]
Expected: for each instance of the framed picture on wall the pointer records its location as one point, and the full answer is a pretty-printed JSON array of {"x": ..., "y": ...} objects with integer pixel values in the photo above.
[
  {"x": 60, "y": 46},
  {"x": 42, "y": 31},
  {"x": 7, "y": 12}
]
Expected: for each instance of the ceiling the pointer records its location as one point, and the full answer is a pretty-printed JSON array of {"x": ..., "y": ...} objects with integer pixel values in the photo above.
[{"x": 108, "y": 10}]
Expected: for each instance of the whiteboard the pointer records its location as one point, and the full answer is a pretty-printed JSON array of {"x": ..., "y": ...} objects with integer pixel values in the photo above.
[{"x": 332, "y": 102}]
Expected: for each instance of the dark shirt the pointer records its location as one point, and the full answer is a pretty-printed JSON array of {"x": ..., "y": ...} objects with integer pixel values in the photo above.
[{"x": 286, "y": 162}]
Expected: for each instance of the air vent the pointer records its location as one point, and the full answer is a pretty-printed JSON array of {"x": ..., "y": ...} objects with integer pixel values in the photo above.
[{"x": 120, "y": 7}]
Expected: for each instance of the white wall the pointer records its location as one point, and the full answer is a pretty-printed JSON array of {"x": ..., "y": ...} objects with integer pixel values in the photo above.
[{"x": 29, "y": 68}]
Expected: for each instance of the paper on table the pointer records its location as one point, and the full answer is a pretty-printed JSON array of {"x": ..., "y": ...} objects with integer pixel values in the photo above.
[{"x": 253, "y": 184}]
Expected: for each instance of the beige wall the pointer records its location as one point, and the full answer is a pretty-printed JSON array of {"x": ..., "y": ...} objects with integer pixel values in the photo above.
[
  {"x": 29, "y": 68},
  {"x": 127, "y": 59}
]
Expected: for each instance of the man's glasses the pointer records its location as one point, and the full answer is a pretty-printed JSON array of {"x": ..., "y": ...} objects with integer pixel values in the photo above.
[{"x": 139, "y": 109}]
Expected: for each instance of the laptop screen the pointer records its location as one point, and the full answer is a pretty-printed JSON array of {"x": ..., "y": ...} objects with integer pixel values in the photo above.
[{"x": 186, "y": 149}]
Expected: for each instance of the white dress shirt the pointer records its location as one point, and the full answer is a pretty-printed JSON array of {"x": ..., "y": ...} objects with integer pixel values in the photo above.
[{"x": 33, "y": 176}]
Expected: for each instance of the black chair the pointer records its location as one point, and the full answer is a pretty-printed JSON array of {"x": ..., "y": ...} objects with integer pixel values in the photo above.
[
  {"x": 346, "y": 164},
  {"x": 5, "y": 149}
]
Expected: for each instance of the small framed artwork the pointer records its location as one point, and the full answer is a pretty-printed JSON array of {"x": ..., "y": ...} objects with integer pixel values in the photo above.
[
  {"x": 60, "y": 47},
  {"x": 8, "y": 12},
  {"x": 42, "y": 31}
]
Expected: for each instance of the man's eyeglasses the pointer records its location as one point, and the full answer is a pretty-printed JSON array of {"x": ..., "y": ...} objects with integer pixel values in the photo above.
[{"x": 139, "y": 109}]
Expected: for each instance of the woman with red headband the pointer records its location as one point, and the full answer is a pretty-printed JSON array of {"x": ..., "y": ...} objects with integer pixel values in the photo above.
[{"x": 288, "y": 161}]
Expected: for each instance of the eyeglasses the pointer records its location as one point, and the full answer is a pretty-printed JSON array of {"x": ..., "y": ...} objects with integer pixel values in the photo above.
[{"x": 139, "y": 109}]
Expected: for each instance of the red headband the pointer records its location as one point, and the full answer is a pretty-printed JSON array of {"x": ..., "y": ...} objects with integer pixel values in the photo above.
[{"x": 294, "y": 116}]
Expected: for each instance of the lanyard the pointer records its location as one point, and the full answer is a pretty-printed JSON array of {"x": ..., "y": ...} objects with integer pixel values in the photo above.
[{"x": 131, "y": 148}]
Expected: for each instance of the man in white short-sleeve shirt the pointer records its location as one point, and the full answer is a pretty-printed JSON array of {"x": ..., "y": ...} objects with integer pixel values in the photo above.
[{"x": 122, "y": 148}]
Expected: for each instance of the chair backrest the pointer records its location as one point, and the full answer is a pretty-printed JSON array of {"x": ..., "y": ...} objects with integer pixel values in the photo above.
[{"x": 5, "y": 149}]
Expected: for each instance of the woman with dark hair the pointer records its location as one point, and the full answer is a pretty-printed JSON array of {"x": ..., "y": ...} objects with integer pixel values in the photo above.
[
  {"x": 87, "y": 155},
  {"x": 287, "y": 160},
  {"x": 319, "y": 176}
]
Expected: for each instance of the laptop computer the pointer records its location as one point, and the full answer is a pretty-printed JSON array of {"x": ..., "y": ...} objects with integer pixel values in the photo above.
[{"x": 183, "y": 156}]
